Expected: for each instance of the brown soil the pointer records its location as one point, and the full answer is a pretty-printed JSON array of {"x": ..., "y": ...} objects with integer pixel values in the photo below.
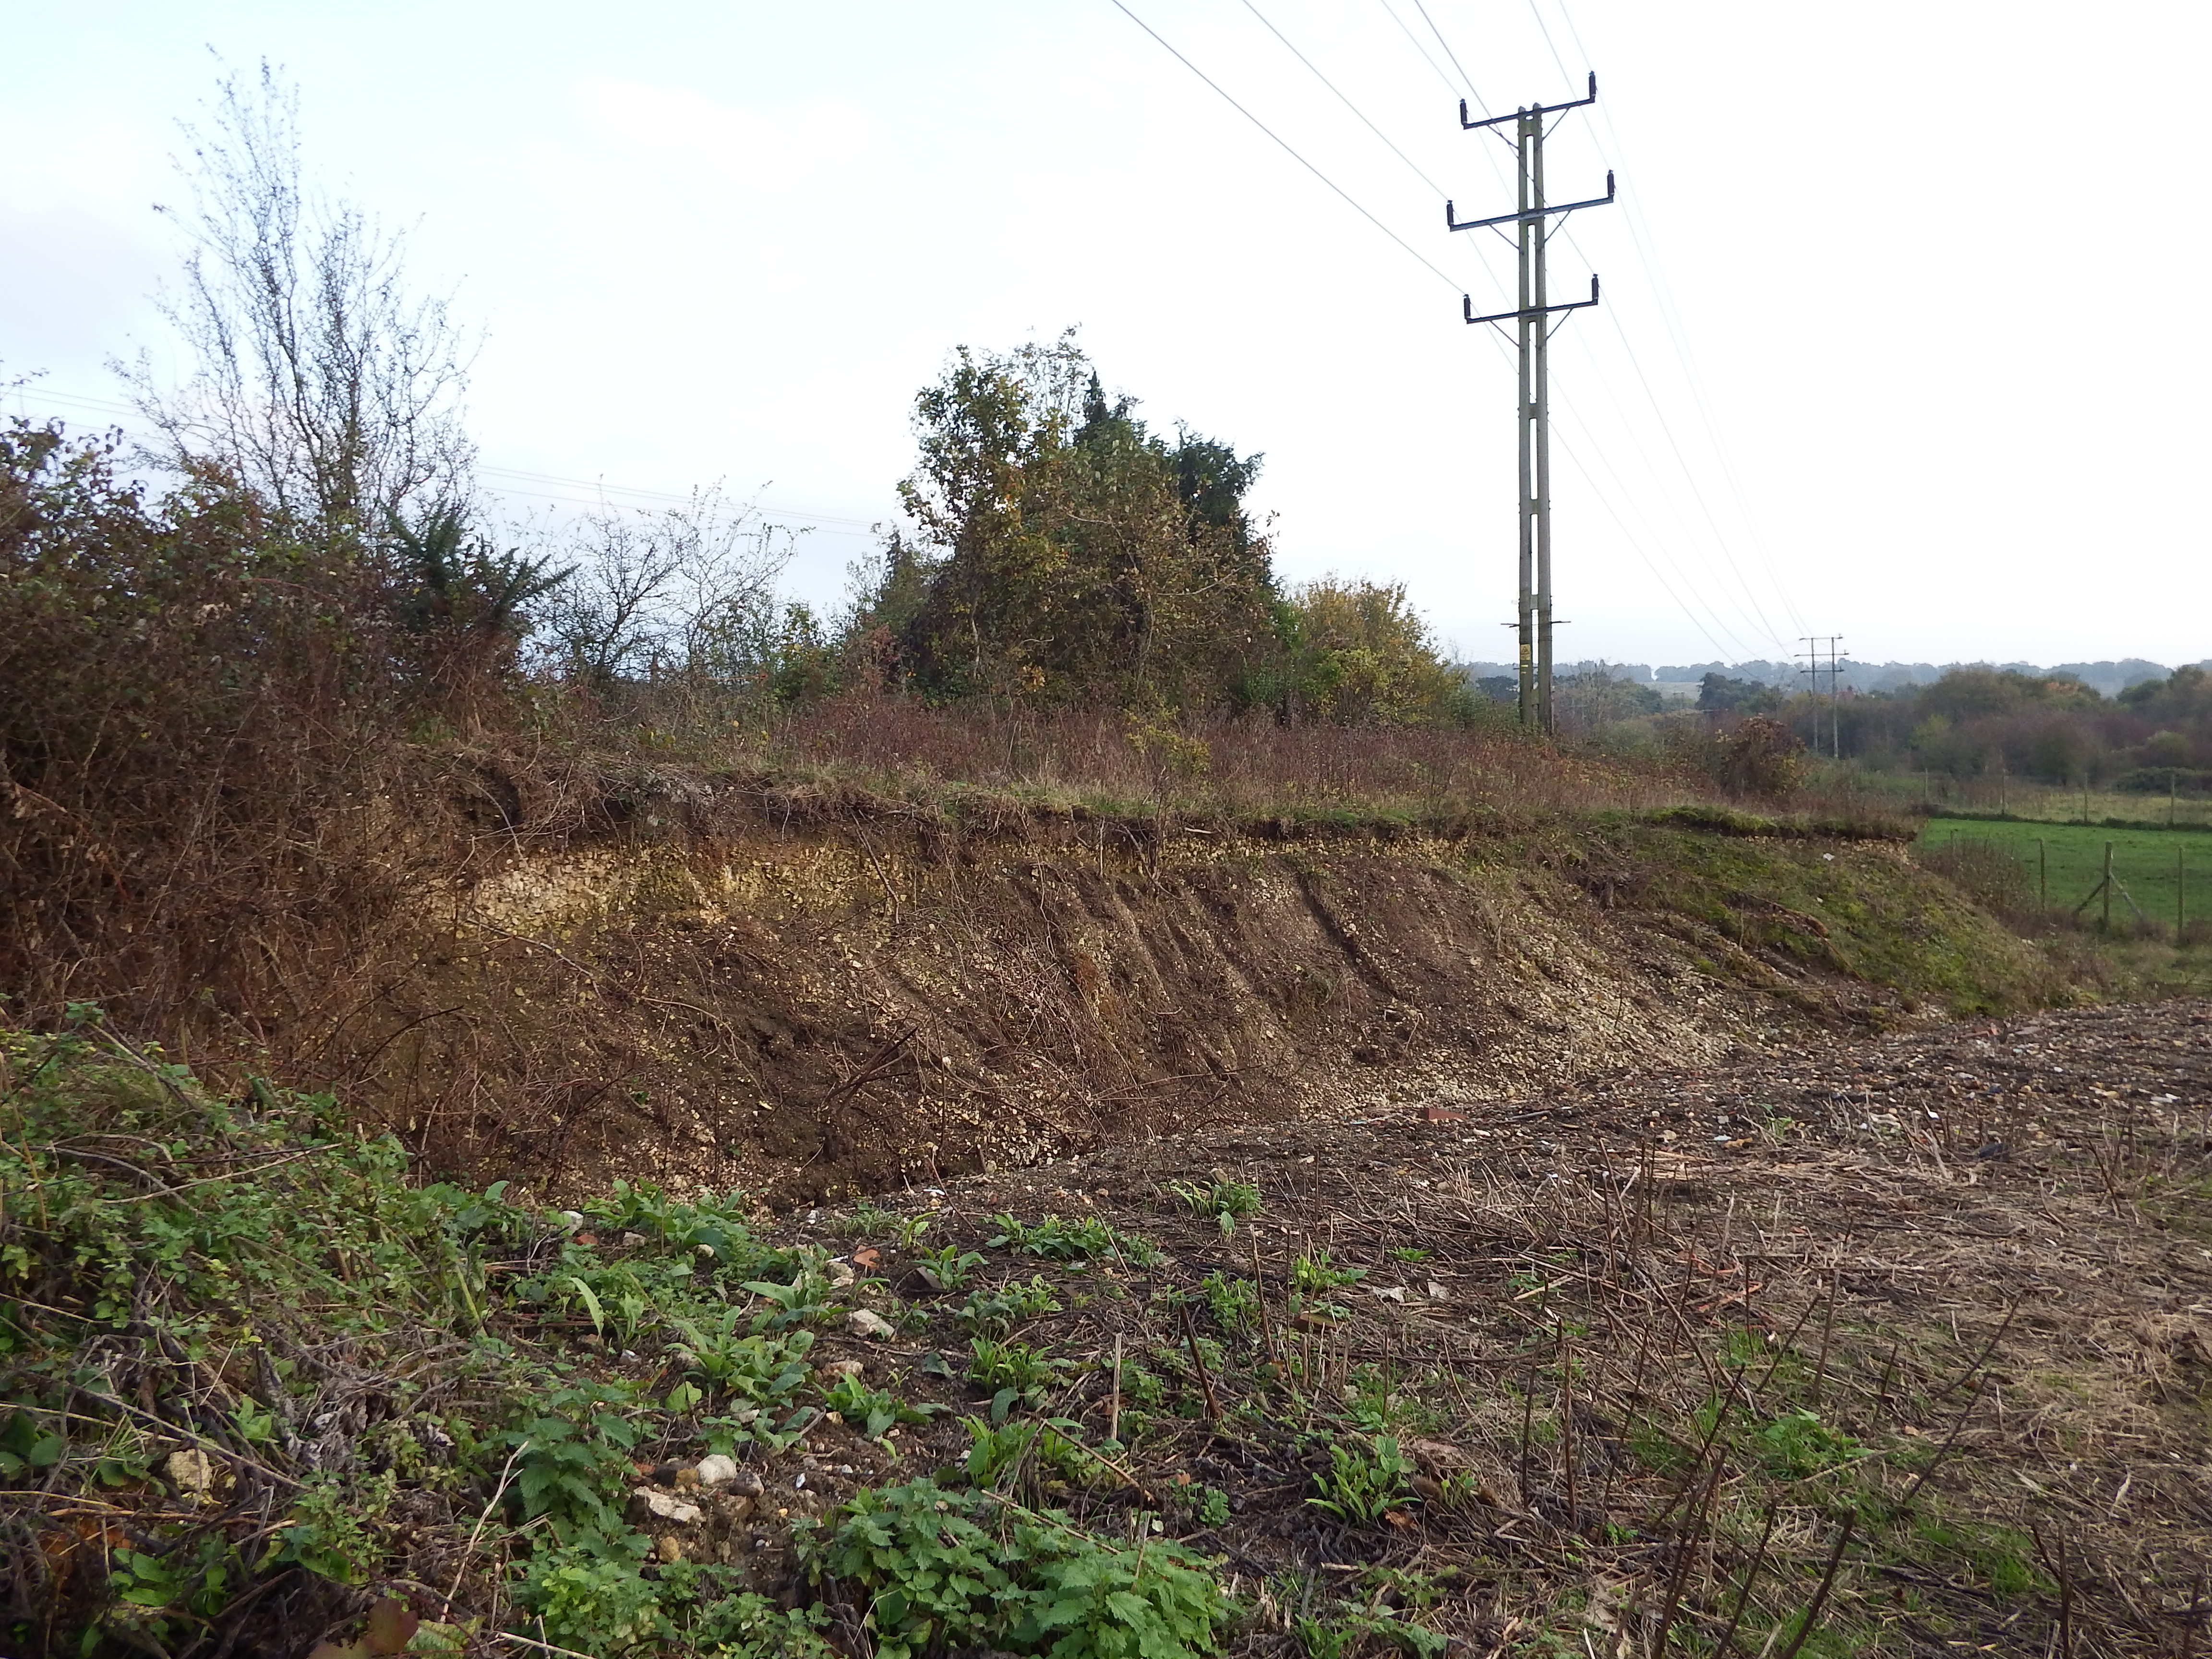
[
  {"x": 850, "y": 1008},
  {"x": 1983, "y": 1253}
]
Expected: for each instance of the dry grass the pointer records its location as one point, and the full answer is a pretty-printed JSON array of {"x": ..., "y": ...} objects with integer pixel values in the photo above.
[{"x": 1243, "y": 768}]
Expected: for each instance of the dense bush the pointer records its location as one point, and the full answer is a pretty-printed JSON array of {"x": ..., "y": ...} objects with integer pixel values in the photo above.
[
  {"x": 1072, "y": 556},
  {"x": 212, "y": 721},
  {"x": 1758, "y": 755}
]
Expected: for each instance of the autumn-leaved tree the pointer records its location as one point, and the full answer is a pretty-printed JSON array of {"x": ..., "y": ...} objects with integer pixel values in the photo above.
[
  {"x": 1071, "y": 554},
  {"x": 1357, "y": 653}
]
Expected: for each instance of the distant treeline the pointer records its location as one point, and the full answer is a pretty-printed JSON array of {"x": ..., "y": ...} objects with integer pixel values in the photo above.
[
  {"x": 2155, "y": 736},
  {"x": 2152, "y": 733},
  {"x": 2109, "y": 678}
]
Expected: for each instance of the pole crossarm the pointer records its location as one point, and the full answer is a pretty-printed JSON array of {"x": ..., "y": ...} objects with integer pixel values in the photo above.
[
  {"x": 1452, "y": 221},
  {"x": 1467, "y": 307},
  {"x": 1533, "y": 110}
]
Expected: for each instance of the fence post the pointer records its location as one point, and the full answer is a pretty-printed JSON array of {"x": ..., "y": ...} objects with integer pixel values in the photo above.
[
  {"x": 2042, "y": 873},
  {"x": 2108, "y": 876}
]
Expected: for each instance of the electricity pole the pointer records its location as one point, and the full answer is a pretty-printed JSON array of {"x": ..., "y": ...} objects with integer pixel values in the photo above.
[
  {"x": 1533, "y": 338},
  {"x": 1812, "y": 655}
]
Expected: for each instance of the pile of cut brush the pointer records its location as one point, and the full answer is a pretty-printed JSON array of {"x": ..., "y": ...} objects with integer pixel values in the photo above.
[{"x": 1884, "y": 1350}]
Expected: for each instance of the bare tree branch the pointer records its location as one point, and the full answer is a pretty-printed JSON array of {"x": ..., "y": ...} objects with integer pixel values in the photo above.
[{"x": 318, "y": 379}]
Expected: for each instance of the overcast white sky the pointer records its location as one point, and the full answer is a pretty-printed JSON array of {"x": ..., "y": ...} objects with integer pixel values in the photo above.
[{"x": 1903, "y": 337}]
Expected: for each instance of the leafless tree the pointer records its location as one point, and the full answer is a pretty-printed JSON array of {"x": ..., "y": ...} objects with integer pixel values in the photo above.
[
  {"x": 687, "y": 590},
  {"x": 318, "y": 378}
]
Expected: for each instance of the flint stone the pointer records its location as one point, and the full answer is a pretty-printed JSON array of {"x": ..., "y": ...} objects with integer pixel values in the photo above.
[
  {"x": 668, "y": 1507},
  {"x": 716, "y": 1469}
]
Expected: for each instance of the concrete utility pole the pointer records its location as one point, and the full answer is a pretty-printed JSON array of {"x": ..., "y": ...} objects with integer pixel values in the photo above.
[{"x": 1533, "y": 336}]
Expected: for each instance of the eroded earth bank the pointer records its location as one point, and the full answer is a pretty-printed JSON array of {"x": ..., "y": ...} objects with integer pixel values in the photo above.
[{"x": 853, "y": 1004}]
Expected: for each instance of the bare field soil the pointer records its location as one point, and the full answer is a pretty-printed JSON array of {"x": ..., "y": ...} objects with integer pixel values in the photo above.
[{"x": 1895, "y": 1345}]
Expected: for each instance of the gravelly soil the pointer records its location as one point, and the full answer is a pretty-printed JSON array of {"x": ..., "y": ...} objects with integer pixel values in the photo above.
[{"x": 1913, "y": 1332}]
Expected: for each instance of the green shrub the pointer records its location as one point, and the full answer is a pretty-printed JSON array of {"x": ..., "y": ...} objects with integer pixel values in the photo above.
[
  {"x": 999, "y": 1453},
  {"x": 948, "y": 1267},
  {"x": 1798, "y": 1444},
  {"x": 1053, "y": 1238},
  {"x": 593, "y": 1597},
  {"x": 589, "y": 1595},
  {"x": 755, "y": 1373},
  {"x": 1234, "y": 1303},
  {"x": 572, "y": 1459},
  {"x": 153, "y": 1235},
  {"x": 872, "y": 1411},
  {"x": 996, "y": 1313}
]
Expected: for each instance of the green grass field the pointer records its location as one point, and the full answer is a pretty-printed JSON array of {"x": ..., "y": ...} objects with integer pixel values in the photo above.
[
  {"x": 2021, "y": 798},
  {"x": 2073, "y": 861}
]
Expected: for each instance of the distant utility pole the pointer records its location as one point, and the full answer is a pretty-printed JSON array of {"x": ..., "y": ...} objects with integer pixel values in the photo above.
[
  {"x": 1535, "y": 338},
  {"x": 1812, "y": 654}
]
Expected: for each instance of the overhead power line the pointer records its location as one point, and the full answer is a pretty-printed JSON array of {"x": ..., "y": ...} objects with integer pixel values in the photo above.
[
  {"x": 1657, "y": 286},
  {"x": 1415, "y": 41},
  {"x": 1449, "y": 53},
  {"x": 1346, "y": 101},
  {"x": 1646, "y": 254},
  {"x": 1688, "y": 610},
  {"x": 1545, "y": 28},
  {"x": 1450, "y": 281},
  {"x": 1414, "y": 166},
  {"x": 1650, "y": 564},
  {"x": 1735, "y": 646}
]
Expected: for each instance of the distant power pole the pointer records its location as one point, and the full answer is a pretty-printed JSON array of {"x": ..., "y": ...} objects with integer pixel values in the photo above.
[
  {"x": 1535, "y": 338},
  {"x": 1812, "y": 654}
]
